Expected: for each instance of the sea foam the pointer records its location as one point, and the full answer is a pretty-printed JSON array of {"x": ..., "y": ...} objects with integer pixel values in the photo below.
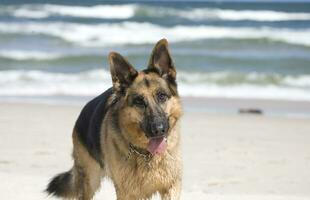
[
  {"x": 99, "y": 11},
  {"x": 215, "y": 84},
  {"x": 28, "y": 55},
  {"x": 130, "y": 33},
  {"x": 127, "y": 11},
  {"x": 238, "y": 15}
]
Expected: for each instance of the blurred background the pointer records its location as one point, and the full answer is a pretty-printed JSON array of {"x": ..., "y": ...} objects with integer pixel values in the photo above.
[
  {"x": 55, "y": 50},
  {"x": 246, "y": 56}
]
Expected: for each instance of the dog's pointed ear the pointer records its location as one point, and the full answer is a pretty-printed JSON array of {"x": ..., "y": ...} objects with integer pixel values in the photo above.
[
  {"x": 162, "y": 61},
  {"x": 122, "y": 72}
]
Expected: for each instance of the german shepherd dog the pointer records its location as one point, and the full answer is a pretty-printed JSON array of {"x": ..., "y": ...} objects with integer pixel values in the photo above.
[{"x": 130, "y": 134}]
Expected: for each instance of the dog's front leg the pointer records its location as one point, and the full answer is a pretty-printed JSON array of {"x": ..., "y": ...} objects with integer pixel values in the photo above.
[
  {"x": 172, "y": 193},
  {"x": 122, "y": 194}
]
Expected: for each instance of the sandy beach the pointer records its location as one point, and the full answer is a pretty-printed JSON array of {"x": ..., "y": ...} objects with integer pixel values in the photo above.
[
  {"x": 226, "y": 156},
  {"x": 243, "y": 75}
]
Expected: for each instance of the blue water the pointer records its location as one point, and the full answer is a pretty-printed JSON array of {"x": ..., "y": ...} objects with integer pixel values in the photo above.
[{"x": 234, "y": 50}]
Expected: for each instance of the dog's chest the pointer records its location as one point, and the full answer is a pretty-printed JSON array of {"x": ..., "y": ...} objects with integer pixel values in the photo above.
[{"x": 142, "y": 176}]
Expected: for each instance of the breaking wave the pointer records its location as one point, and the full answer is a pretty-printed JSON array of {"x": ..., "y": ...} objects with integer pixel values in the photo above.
[
  {"x": 130, "y": 33},
  {"x": 238, "y": 15},
  {"x": 215, "y": 84},
  {"x": 127, "y": 11},
  {"x": 28, "y": 55},
  {"x": 100, "y": 11}
]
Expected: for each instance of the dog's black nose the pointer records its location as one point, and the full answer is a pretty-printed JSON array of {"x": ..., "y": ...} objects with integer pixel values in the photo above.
[{"x": 159, "y": 127}]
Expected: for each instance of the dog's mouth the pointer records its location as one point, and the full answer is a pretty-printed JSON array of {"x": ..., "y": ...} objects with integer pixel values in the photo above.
[{"x": 157, "y": 145}]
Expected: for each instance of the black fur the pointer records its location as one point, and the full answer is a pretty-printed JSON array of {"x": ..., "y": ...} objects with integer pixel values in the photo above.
[
  {"x": 60, "y": 185},
  {"x": 151, "y": 70},
  {"x": 172, "y": 86},
  {"x": 89, "y": 122},
  {"x": 115, "y": 120},
  {"x": 155, "y": 122},
  {"x": 171, "y": 81},
  {"x": 147, "y": 82}
]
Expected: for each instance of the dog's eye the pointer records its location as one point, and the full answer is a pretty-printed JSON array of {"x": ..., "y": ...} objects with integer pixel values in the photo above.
[
  {"x": 139, "y": 101},
  {"x": 162, "y": 97}
]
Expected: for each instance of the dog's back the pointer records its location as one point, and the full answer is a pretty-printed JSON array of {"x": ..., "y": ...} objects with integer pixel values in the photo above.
[{"x": 89, "y": 122}]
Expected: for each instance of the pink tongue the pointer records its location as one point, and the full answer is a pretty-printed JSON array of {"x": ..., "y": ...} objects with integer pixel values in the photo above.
[{"x": 157, "y": 145}]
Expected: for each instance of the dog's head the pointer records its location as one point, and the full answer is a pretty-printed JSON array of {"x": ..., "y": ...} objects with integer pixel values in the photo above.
[{"x": 148, "y": 102}]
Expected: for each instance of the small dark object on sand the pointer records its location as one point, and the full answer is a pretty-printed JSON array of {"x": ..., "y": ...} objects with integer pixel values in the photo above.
[{"x": 255, "y": 111}]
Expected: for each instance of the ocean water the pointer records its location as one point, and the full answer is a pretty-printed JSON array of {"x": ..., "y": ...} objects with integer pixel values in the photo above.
[{"x": 231, "y": 50}]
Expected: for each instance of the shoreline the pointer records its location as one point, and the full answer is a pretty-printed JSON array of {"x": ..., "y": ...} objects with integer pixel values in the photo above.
[{"x": 268, "y": 107}]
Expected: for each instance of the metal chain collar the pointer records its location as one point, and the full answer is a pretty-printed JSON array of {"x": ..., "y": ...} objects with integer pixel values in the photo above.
[{"x": 135, "y": 150}]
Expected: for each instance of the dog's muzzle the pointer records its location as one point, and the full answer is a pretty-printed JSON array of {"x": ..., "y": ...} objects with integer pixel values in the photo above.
[{"x": 156, "y": 127}]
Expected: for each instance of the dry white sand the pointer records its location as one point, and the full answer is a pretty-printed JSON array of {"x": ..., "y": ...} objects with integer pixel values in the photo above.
[{"x": 226, "y": 157}]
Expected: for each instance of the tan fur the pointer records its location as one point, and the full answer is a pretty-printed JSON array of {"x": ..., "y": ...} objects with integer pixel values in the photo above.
[
  {"x": 134, "y": 177},
  {"x": 87, "y": 172}
]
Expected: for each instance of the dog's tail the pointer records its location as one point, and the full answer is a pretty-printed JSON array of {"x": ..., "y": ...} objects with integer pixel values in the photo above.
[{"x": 62, "y": 185}]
